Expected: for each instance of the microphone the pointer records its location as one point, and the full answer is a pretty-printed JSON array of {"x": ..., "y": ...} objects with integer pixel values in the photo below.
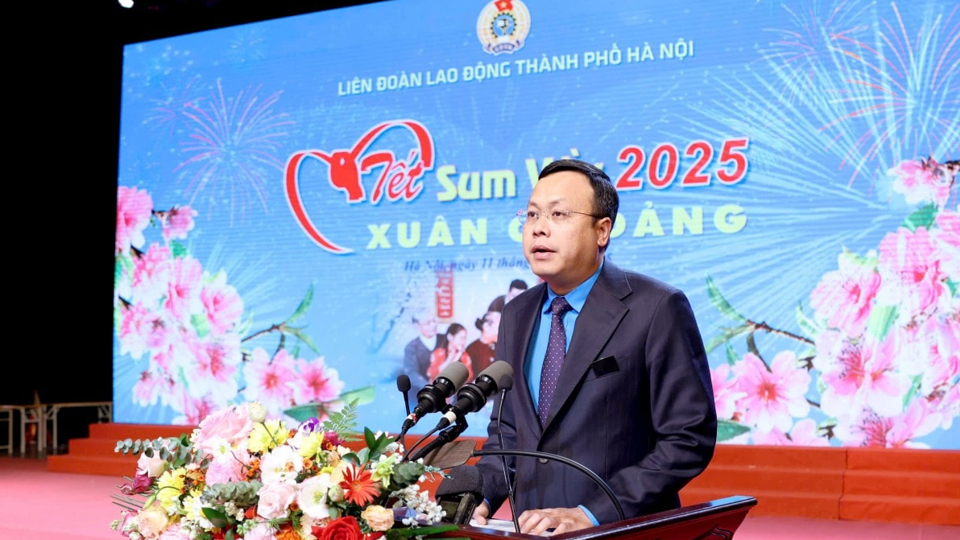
[
  {"x": 506, "y": 384},
  {"x": 434, "y": 396},
  {"x": 460, "y": 493},
  {"x": 403, "y": 385},
  {"x": 473, "y": 396}
]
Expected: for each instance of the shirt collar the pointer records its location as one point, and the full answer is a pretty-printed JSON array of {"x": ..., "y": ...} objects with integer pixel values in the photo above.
[{"x": 578, "y": 296}]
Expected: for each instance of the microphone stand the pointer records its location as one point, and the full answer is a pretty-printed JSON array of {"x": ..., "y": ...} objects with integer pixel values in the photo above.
[
  {"x": 443, "y": 438},
  {"x": 503, "y": 457},
  {"x": 554, "y": 457}
]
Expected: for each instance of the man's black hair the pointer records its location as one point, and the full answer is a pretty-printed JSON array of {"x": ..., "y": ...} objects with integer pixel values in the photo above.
[{"x": 606, "y": 201}]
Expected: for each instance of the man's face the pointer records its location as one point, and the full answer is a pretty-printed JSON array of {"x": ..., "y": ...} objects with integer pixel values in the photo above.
[
  {"x": 564, "y": 254},
  {"x": 428, "y": 326},
  {"x": 512, "y": 293}
]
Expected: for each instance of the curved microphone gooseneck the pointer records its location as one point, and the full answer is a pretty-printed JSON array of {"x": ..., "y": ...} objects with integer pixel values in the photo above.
[
  {"x": 567, "y": 461},
  {"x": 506, "y": 383}
]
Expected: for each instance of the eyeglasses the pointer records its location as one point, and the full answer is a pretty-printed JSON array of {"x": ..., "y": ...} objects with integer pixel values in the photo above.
[{"x": 556, "y": 216}]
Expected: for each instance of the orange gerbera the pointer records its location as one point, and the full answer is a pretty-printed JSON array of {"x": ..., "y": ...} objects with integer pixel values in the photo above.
[{"x": 358, "y": 486}]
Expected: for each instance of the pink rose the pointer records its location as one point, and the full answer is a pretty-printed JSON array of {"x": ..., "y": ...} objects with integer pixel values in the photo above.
[
  {"x": 152, "y": 466},
  {"x": 232, "y": 424},
  {"x": 275, "y": 500}
]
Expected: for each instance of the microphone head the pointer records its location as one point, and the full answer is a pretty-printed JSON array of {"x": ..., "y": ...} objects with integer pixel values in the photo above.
[
  {"x": 496, "y": 371},
  {"x": 456, "y": 373},
  {"x": 506, "y": 382},
  {"x": 403, "y": 383},
  {"x": 462, "y": 479}
]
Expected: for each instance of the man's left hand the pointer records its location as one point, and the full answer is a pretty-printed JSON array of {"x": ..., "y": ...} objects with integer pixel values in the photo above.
[{"x": 561, "y": 520}]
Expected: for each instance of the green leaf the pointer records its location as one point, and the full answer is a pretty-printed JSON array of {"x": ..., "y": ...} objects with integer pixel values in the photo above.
[
  {"x": 218, "y": 518},
  {"x": 954, "y": 286},
  {"x": 200, "y": 324},
  {"x": 721, "y": 303},
  {"x": 914, "y": 389},
  {"x": 921, "y": 217},
  {"x": 369, "y": 438},
  {"x": 361, "y": 396},
  {"x": 228, "y": 535},
  {"x": 727, "y": 335},
  {"x": 732, "y": 356},
  {"x": 410, "y": 532},
  {"x": 809, "y": 327},
  {"x": 302, "y": 336},
  {"x": 334, "y": 512},
  {"x": 880, "y": 320},
  {"x": 178, "y": 250},
  {"x": 727, "y": 430},
  {"x": 303, "y": 307}
]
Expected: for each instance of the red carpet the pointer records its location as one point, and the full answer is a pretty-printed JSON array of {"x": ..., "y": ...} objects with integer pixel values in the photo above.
[{"x": 36, "y": 504}]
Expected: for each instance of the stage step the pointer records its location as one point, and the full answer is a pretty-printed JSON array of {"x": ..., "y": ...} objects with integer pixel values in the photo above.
[
  {"x": 95, "y": 455},
  {"x": 902, "y": 485}
]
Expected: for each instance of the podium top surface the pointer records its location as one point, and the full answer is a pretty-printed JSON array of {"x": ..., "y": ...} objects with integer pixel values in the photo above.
[{"x": 720, "y": 517}]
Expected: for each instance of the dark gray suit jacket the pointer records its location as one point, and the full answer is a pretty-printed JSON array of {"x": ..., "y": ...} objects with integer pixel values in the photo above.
[{"x": 634, "y": 402}]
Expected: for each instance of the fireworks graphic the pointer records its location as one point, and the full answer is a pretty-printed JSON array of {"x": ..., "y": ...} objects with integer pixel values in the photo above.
[
  {"x": 168, "y": 113},
  {"x": 232, "y": 147},
  {"x": 882, "y": 94}
]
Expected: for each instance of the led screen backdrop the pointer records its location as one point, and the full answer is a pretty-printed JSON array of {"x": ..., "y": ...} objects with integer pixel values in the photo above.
[{"x": 300, "y": 198}]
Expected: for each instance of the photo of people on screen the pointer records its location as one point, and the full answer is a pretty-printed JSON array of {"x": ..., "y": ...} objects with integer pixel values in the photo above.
[{"x": 454, "y": 351}]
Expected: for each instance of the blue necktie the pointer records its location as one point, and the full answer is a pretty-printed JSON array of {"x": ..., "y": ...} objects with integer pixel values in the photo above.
[{"x": 553, "y": 361}]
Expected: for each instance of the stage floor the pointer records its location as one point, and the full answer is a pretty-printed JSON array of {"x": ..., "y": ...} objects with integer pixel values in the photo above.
[{"x": 40, "y": 505}]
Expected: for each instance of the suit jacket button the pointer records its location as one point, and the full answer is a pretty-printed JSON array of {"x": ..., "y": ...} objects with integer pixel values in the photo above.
[{"x": 542, "y": 460}]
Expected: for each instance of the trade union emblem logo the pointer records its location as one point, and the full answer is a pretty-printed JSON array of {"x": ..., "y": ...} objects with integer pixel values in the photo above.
[{"x": 503, "y": 26}]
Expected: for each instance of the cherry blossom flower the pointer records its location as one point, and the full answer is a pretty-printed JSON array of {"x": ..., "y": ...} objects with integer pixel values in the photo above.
[
  {"x": 804, "y": 433},
  {"x": 858, "y": 374},
  {"x": 920, "y": 181},
  {"x": 872, "y": 430},
  {"x": 223, "y": 305},
  {"x": 147, "y": 389},
  {"x": 183, "y": 289},
  {"x": 134, "y": 208},
  {"x": 140, "y": 330},
  {"x": 270, "y": 382},
  {"x": 213, "y": 372},
  {"x": 151, "y": 274},
  {"x": 316, "y": 383},
  {"x": 774, "y": 395},
  {"x": 177, "y": 222},
  {"x": 910, "y": 269},
  {"x": 725, "y": 393},
  {"x": 948, "y": 242},
  {"x": 844, "y": 297}
]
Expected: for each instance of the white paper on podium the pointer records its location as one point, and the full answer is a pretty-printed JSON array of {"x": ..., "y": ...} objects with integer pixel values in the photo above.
[{"x": 495, "y": 524}]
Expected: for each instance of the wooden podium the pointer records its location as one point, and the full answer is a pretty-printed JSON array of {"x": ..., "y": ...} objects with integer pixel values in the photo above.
[{"x": 713, "y": 520}]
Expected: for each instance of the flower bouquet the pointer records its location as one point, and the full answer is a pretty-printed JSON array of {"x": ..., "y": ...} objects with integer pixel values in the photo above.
[{"x": 240, "y": 475}]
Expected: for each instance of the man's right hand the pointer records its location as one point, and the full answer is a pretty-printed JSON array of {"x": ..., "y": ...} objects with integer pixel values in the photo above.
[{"x": 481, "y": 513}]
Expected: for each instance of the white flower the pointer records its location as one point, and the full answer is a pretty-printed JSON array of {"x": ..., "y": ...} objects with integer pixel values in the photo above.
[
  {"x": 282, "y": 464},
  {"x": 256, "y": 412},
  {"x": 312, "y": 497}
]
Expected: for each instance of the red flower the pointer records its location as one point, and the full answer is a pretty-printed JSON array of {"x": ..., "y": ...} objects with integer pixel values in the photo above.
[
  {"x": 358, "y": 487},
  {"x": 345, "y": 528}
]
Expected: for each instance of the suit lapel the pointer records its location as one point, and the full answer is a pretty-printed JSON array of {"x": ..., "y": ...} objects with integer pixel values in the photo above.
[
  {"x": 526, "y": 321},
  {"x": 601, "y": 314}
]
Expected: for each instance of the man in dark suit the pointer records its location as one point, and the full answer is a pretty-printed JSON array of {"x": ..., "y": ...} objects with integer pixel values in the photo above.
[
  {"x": 416, "y": 354},
  {"x": 617, "y": 379}
]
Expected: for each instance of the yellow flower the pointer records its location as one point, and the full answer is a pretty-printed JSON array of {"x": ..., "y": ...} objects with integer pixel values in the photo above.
[
  {"x": 267, "y": 435},
  {"x": 169, "y": 489},
  {"x": 310, "y": 445}
]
